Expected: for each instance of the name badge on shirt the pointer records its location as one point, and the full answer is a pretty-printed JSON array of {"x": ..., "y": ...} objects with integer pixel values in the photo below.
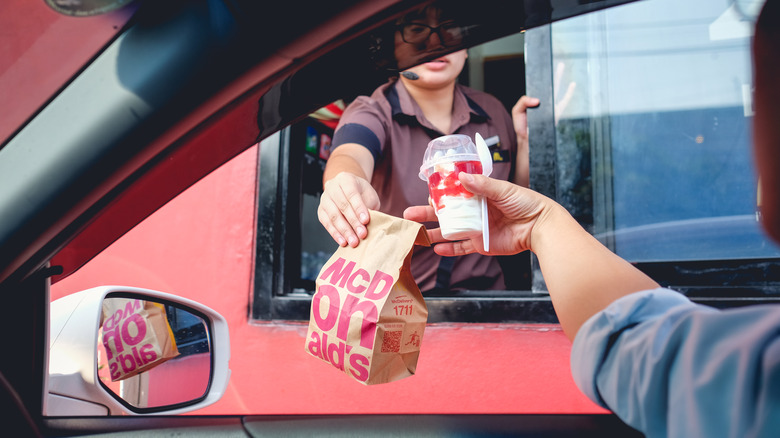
[{"x": 494, "y": 144}]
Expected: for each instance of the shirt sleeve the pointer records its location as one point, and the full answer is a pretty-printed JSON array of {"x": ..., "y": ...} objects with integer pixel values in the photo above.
[
  {"x": 364, "y": 123},
  {"x": 669, "y": 367}
]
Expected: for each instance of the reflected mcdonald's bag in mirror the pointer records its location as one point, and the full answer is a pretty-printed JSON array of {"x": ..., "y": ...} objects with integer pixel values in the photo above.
[{"x": 136, "y": 336}]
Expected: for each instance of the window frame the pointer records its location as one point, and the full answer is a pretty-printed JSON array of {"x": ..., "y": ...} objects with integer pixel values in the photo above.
[
  {"x": 277, "y": 251},
  {"x": 720, "y": 283}
]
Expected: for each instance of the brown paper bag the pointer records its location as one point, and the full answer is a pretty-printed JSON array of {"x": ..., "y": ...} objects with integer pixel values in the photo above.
[
  {"x": 136, "y": 336},
  {"x": 368, "y": 315}
]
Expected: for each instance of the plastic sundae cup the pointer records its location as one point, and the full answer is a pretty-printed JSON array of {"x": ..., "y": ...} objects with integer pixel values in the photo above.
[{"x": 459, "y": 211}]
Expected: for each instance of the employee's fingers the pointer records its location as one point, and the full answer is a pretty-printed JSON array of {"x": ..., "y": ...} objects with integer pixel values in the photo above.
[
  {"x": 350, "y": 204},
  {"x": 355, "y": 198},
  {"x": 339, "y": 218},
  {"x": 330, "y": 217},
  {"x": 360, "y": 197},
  {"x": 369, "y": 201},
  {"x": 344, "y": 208},
  {"x": 343, "y": 224},
  {"x": 523, "y": 103}
]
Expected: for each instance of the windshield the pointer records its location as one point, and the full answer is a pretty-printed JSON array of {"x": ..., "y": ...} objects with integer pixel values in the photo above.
[{"x": 41, "y": 51}]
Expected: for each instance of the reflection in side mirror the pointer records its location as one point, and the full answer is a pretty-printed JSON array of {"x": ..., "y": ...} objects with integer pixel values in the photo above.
[
  {"x": 194, "y": 374},
  {"x": 152, "y": 354}
]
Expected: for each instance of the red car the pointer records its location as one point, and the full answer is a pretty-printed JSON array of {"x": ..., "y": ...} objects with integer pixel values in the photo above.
[{"x": 168, "y": 155}]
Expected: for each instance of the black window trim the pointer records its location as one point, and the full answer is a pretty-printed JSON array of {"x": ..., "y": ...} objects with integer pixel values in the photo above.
[{"x": 277, "y": 252}]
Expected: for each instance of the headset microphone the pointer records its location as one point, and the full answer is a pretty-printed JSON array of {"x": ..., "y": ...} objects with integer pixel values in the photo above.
[{"x": 410, "y": 75}]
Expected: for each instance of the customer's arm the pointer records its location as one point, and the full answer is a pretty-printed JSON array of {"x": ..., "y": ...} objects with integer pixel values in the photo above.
[{"x": 582, "y": 276}]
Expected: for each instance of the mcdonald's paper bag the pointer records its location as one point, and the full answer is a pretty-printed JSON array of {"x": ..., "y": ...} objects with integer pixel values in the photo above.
[
  {"x": 136, "y": 336},
  {"x": 367, "y": 314}
]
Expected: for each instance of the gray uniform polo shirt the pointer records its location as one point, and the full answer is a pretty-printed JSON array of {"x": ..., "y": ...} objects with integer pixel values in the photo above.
[{"x": 392, "y": 126}]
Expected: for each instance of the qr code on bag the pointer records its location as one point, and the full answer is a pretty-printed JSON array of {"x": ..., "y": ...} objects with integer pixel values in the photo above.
[{"x": 391, "y": 342}]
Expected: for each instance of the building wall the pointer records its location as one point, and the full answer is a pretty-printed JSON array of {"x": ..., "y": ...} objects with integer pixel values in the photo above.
[{"x": 200, "y": 246}]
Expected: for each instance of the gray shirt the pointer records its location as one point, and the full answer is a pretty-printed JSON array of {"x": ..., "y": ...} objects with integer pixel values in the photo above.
[{"x": 672, "y": 368}]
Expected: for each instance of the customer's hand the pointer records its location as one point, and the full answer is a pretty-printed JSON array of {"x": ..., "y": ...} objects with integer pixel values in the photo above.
[
  {"x": 513, "y": 212},
  {"x": 582, "y": 275}
]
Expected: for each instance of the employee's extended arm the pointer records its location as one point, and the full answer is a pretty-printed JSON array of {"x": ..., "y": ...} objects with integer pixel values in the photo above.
[{"x": 347, "y": 194}]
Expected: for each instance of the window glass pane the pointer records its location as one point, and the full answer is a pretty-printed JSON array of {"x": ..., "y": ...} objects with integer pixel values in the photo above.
[
  {"x": 316, "y": 244},
  {"x": 653, "y": 121}
]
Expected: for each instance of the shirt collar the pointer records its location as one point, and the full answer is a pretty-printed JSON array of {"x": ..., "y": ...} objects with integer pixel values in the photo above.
[{"x": 403, "y": 106}]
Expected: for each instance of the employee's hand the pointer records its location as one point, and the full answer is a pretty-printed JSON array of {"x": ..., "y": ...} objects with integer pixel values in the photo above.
[
  {"x": 520, "y": 122},
  {"x": 344, "y": 205},
  {"x": 520, "y": 118},
  {"x": 513, "y": 212}
]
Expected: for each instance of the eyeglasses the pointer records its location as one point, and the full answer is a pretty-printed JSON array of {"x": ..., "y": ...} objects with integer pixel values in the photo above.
[{"x": 416, "y": 33}]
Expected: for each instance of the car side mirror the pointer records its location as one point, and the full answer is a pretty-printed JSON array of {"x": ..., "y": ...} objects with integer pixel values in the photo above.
[{"x": 125, "y": 351}]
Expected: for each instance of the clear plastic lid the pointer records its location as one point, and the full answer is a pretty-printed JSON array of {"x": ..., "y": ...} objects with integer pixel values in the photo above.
[{"x": 447, "y": 149}]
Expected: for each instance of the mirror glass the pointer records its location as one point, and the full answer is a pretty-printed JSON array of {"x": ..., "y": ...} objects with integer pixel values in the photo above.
[{"x": 153, "y": 354}]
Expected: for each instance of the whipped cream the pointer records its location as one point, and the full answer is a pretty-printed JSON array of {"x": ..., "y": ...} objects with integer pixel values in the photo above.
[{"x": 460, "y": 217}]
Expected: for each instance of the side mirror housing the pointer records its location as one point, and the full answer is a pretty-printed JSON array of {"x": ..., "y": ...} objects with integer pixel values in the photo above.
[{"x": 123, "y": 372}]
